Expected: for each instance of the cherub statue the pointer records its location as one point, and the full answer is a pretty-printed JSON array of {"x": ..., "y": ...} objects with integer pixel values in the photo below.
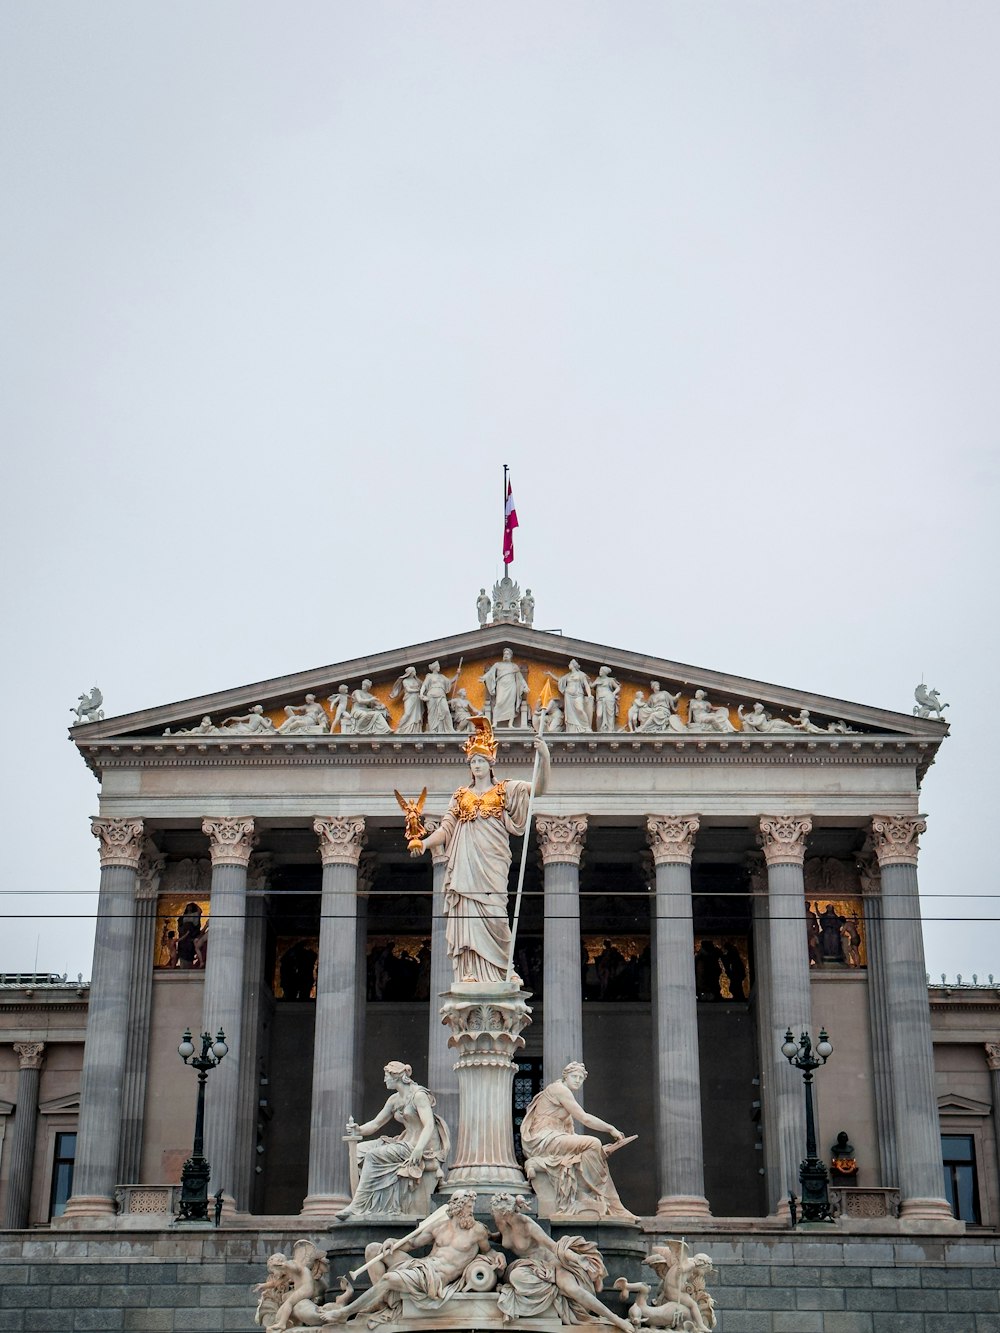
[
  {"x": 414, "y": 827},
  {"x": 293, "y": 1294},
  {"x": 682, "y": 1285},
  {"x": 928, "y": 703},
  {"x": 88, "y": 707}
]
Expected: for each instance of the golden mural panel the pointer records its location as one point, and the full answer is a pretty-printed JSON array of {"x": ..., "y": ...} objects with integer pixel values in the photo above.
[
  {"x": 836, "y": 928},
  {"x": 181, "y": 932},
  {"x": 722, "y": 967}
]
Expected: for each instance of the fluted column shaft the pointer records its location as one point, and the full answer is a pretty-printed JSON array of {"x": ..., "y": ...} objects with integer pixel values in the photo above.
[
  {"x": 783, "y": 840},
  {"x": 334, "y": 1051},
  {"x": 560, "y": 842},
  {"x": 442, "y": 1077},
  {"x": 231, "y": 842},
  {"x": 911, "y": 1051},
  {"x": 150, "y": 869},
  {"x": 106, "y": 1042},
  {"x": 22, "y": 1140},
  {"x": 993, "y": 1061},
  {"x": 249, "y": 1080},
  {"x": 677, "y": 1072},
  {"x": 878, "y": 1017}
]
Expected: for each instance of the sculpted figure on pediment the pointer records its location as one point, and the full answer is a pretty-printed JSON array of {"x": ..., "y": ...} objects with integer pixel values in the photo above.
[
  {"x": 483, "y": 605},
  {"x": 759, "y": 720},
  {"x": 928, "y": 703},
  {"x": 253, "y": 723},
  {"x": 506, "y": 600},
  {"x": 341, "y": 705},
  {"x": 553, "y": 715},
  {"x": 408, "y": 685},
  {"x": 578, "y": 698},
  {"x": 661, "y": 710},
  {"x": 705, "y": 716},
  {"x": 527, "y": 608},
  {"x": 802, "y": 722},
  {"x": 204, "y": 728},
  {"x": 435, "y": 691},
  {"x": 308, "y": 719},
  {"x": 462, "y": 711},
  {"x": 607, "y": 691},
  {"x": 369, "y": 715},
  {"x": 506, "y": 688},
  {"x": 638, "y": 711}
]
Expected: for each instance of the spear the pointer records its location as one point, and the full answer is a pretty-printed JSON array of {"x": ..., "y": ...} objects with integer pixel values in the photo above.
[{"x": 546, "y": 697}]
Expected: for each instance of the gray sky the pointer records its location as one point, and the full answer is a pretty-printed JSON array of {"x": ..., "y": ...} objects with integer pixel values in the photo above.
[{"x": 285, "y": 285}]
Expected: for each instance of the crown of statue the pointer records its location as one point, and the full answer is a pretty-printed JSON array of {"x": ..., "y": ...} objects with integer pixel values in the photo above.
[{"x": 481, "y": 741}]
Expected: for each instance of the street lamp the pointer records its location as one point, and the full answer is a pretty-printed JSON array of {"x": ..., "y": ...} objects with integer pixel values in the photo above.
[
  {"x": 194, "y": 1176},
  {"x": 813, "y": 1178}
]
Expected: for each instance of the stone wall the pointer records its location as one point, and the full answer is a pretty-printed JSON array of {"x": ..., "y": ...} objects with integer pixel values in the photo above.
[{"x": 165, "y": 1282}]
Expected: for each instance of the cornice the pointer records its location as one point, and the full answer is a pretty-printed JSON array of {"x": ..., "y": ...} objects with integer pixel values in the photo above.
[{"x": 617, "y": 748}]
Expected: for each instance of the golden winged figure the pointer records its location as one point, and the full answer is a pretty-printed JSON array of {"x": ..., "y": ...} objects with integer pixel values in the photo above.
[{"x": 415, "y": 830}]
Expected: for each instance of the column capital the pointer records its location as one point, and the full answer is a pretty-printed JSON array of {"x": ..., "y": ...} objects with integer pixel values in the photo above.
[
  {"x": 30, "y": 1054},
  {"x": 561, "y": 838},
  {"x": 671, "y": 838},
  {"x": 895, "y": 839},
  {"x": 992, "y": 1054},
  {"x": 439, "y": 855},
  {"x": 783, "y": 839},
  {"x": 341, "y": 838},
  {"x": 120, "y": 839},
  {"x": 230, "y": 841}
]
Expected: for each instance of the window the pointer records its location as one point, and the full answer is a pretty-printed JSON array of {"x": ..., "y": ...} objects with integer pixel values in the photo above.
[
  {"x": 62, "y": 1173},
  {"x": 959, "y": 1157}
]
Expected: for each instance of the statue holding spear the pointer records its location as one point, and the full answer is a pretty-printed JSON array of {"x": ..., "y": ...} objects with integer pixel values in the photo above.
[{"x": 476, "y": 834}]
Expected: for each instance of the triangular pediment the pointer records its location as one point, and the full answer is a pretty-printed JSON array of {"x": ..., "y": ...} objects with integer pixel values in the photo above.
[
  {"x": 61, "y": 1105},
  {"x": 543, "y": 659},
  {"x": 951, "y": 1103}
]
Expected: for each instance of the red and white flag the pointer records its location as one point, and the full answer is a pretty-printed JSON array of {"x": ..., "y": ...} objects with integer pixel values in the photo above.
[{"x": 509, "y": 524}]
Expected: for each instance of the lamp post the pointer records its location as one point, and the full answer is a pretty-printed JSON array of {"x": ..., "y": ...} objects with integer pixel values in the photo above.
[
  {"x": 813, "y": 1178},
  {"x": 194, "y": 1176}
]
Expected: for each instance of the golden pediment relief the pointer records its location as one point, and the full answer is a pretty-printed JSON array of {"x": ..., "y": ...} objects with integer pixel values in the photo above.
[{"x": 440, "y": 697}]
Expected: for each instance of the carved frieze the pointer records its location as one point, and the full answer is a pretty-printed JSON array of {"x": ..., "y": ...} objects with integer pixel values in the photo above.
[
  {"x": 671, "y": 838},
  {"x": 151, "y": 866},
  {"x": 783, "y": 838},
  {"x": 896, "y": 839},
  {"x": 341, "y": 839},
  {"x": 121, "y": 841},
  {"x": 230, "y": 841},
  {"x": 561, "y": 838}
]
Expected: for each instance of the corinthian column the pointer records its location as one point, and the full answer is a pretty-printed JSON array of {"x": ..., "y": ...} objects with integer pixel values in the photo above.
[
  {"x": 30, "y": 1055},
  {"x": 911, "y": 1054},
  {"x": 783, "y": 840},
  {"x": 106, "y": 1042},
  {"x": 675, "y": 1018},
  {"x": 337, "y": 999},
  {"x": 231, "y": 842},
  {"x": 442, "y": 1078},
  {"x": 879, "y": 966},
  {"x": 560, "y": 842}
]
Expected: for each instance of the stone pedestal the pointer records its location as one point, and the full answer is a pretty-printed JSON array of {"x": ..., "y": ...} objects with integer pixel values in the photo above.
[{"x": 485, "y": 1021}]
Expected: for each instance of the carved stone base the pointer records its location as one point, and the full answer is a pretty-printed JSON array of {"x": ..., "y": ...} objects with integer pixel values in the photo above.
[
  {"x": 683, "y": 1208},
  {"x": 928, "y": 1215},
  {"x": 485, "y": 1021},
  {"x": 323, "y": 1207}
]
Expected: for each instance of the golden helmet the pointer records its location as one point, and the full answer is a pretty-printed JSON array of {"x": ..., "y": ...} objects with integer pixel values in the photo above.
[{"x": 481, "y": 741}]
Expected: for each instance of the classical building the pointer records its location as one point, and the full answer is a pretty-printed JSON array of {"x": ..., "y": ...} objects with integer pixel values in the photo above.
[{"x": 715, "y": 861}]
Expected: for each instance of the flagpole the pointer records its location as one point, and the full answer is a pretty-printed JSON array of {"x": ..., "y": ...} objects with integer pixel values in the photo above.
[
  {"x": 506, "y": 562},
  {"x": 524, "y": 850}
]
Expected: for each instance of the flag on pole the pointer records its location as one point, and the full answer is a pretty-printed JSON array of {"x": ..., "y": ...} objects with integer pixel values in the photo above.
[{"x": 509, "y": 524}]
